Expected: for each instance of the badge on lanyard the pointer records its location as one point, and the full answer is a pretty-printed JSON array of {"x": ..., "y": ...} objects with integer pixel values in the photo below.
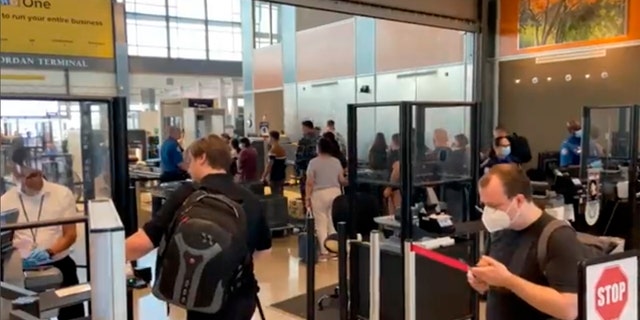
[{"x": 34, "y": 231}]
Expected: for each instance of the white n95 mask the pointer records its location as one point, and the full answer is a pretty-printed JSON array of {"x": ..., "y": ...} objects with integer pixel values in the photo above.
[{"x": 495, "y": 220}]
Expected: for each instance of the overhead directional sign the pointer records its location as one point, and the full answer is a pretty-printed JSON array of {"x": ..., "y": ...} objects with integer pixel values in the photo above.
[{"x": 57, "y": 27}]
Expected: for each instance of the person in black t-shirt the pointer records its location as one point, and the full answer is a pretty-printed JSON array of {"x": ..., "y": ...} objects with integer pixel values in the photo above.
[
  {"x": 517, "y": 286},
  {"x": 274, "y": 174},
  {"x": 208, "y": 158}
]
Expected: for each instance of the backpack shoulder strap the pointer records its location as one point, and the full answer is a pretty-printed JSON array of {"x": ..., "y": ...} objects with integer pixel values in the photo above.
[{"x": 543, "y": 241}]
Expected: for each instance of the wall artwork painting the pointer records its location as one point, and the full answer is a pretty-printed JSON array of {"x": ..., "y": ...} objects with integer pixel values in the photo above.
[{"x": 551, "y": 22}]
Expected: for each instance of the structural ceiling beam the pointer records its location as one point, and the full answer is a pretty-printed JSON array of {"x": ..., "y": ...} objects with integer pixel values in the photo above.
[{"x": 460, "y": 15}]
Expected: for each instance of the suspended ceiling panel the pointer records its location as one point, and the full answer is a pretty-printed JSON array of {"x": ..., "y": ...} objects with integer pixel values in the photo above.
[{"x": 450, "y": 14}]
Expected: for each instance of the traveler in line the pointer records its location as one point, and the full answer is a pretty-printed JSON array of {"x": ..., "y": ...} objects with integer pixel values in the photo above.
[
  {"x": 208, "y": 159},
  {"x": 518, "y": 285},
  {"x": 335, "y": 149},
  {"x": 325, "y": 177},
  {"x": 274, "y": 173},
  {"x": 234, "y": 146},
  {"x": 342, "y": 142},
  {"x": 306, "y": 151},
  {"x": 247, "y": 161}
]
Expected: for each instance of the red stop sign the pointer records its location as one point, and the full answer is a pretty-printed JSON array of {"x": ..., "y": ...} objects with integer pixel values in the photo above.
[{"x": 612, "y": 292}]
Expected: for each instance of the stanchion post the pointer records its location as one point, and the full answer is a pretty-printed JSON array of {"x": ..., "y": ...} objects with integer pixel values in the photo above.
[
  {"x": 311, "y": 266},
  {"x": 343, "y": 288},
  {"x": 409, "y": 282},
  {"x": 132, "y": 207},
  {"x": 374, "y": 276}
]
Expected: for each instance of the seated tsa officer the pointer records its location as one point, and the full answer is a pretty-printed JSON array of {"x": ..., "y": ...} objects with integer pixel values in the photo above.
[{"x": 38, "y": 199}]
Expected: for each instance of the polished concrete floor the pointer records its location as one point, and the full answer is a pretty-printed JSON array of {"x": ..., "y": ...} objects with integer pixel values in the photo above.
[{"x": 280, "y": 274}]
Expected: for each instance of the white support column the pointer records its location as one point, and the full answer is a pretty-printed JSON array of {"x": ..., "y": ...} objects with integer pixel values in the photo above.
[
  {"x": 374, "y": 276},
  {"x": 409, "y": 282}
]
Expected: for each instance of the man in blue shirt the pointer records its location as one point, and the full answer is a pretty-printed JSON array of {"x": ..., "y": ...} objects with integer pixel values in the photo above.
[
  {"x": 171, "y": 162},
  {"x": 570, "y": 150}
]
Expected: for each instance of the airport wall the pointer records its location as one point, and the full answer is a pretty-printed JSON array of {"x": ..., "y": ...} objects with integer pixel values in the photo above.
[
  {"x": 57, "y": 82},
  {"x": 546, "y": 78},
  {"x": 324, "y": 68}
]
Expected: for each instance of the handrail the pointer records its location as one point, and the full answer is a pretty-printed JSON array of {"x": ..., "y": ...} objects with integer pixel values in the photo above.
[{"x": 42, "y": 223}]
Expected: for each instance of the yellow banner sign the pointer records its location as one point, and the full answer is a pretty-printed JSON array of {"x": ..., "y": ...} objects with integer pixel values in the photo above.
[{"x": 81, "y": 28}]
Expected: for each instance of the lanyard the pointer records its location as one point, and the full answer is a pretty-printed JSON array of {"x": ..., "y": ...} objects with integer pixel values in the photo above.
[{"x": 34, "y": 233}]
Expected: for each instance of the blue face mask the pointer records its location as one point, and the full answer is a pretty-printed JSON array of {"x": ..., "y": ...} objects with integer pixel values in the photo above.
[
  {"x": 578, "y": 134},
  {"x": 506, "y": 151}
]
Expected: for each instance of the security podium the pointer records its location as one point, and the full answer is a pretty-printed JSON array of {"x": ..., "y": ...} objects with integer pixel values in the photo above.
[{"x": 107, "y": 290}]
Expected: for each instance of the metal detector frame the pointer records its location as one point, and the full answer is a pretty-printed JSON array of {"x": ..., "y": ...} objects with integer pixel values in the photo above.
[
  {"x": 406, "y": 117},
  {"x": 582, "y": 277},
  {"x": 634, "y": 161}
]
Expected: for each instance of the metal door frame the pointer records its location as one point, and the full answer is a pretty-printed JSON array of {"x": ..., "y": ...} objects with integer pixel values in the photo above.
[{"x": 117, "y": 120}]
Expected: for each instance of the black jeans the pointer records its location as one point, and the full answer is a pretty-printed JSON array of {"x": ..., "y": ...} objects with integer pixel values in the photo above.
[
  {"x": 69, "y": 272},
  {"x": 277, "y": 187}
]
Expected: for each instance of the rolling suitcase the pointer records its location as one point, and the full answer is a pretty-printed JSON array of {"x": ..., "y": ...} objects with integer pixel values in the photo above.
[{"x": 302, "y": 242}]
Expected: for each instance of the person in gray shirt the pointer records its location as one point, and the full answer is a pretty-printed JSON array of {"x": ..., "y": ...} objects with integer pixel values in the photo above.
[{"x": 325, "y": 177}]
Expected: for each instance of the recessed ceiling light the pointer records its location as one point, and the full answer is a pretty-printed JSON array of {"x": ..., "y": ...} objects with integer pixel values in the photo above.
[
  {"x": 517, "y": 81},
  {"x": 568, "y": 77},
  {"x": 548, "y": 79},
  {"x": 534, "y": 80},
  {"x": 587, "y": 76}
]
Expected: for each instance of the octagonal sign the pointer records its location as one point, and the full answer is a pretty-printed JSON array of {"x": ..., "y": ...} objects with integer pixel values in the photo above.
[{"x": 612, "y": 293}]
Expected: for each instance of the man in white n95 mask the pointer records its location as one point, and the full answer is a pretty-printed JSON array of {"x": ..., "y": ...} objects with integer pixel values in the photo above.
[{"x": 517, "y": 286}]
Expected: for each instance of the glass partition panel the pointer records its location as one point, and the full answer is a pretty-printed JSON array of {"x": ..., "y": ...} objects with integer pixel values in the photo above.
[
  {"x": 60, "y": 145},
  {"x": 67, "y": 148},
  {"x": 442, "y": 170},
  {"x": 377, "y": 143},
  {"x": 608, "y": 136}
]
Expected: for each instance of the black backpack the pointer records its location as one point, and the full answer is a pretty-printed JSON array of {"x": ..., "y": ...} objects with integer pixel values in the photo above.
[
  {"x": 520, "y": 149},
  {"x": 202, "y": 257}
]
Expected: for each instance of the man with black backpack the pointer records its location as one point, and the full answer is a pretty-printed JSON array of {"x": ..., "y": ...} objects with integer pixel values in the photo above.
[{"x": 208, "y": 233}]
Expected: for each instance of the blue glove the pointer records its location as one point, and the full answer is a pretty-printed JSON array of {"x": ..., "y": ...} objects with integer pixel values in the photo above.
[
  {"x": 596, "y": 164},
  {"x": 36, "y": 258}
]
